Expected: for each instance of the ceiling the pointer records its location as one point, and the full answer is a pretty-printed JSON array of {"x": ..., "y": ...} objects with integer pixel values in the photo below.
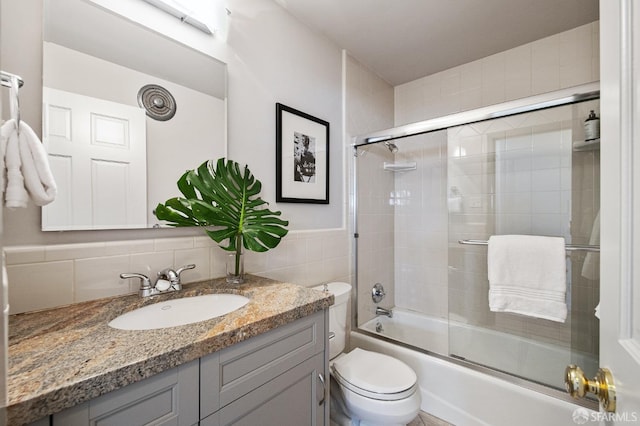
[{"x": 402, "y": 40}]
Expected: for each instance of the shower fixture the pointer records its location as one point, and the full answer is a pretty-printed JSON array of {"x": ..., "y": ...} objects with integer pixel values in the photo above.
[
  {"x": 391, "y": 146},
  {"x": 377, "y": 293}
]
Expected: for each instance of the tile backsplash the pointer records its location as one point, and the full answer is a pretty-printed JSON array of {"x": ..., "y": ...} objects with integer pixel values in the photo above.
[{"x": 46, "y": 276}]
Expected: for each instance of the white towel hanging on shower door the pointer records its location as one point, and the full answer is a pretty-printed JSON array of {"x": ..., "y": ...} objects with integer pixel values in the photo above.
[{"x": 527, "y": 276}]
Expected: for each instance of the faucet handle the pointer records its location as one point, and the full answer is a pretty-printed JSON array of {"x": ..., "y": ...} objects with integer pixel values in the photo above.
[
  {"x": 145, "y": 282},
  {"x": 184, "y": 268}
]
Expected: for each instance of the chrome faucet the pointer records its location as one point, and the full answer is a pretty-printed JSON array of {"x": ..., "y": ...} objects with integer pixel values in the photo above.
[
  {"x": 383, "y": 311},
  {"x": 168, "y": 281}
]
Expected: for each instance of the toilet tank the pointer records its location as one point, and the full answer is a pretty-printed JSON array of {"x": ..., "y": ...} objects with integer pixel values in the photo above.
[{"x": 337, "y": 316}]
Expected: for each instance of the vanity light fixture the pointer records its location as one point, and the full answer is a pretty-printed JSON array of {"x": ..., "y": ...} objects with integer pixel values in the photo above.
[{"x": 180, "y": 11}]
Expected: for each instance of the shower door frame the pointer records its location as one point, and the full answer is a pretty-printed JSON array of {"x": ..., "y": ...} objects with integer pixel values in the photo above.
[{"x": 553, "y": 99}]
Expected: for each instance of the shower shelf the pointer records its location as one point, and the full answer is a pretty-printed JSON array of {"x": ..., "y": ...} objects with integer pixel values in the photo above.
[
  {"x": 400, "y": 167},
  {"x": 592, "y": 145}
]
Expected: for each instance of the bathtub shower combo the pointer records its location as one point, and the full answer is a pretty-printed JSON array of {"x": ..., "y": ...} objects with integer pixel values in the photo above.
[{"x": 427, "y": 197}]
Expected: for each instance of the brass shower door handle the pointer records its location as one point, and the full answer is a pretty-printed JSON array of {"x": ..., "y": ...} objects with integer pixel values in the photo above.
[{"x": 602, "y": 386}]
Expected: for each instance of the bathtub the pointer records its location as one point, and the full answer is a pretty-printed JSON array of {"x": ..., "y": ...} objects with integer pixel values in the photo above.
[{"x": 459, "y": 394}]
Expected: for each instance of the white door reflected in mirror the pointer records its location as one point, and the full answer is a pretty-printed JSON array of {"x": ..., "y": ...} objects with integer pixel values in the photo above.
[{"x": 97, "y": 151}]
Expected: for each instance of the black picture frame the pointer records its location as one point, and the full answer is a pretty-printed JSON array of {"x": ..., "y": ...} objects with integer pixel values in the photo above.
[{"x": 302, "y": 157}]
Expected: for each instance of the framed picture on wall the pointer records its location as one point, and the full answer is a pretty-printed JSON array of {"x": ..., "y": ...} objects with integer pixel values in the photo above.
[{"x": 302, "y": 157}]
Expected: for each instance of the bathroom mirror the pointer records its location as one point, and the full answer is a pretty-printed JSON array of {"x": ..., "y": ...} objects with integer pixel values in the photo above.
[{"x": 113, "y": 163}]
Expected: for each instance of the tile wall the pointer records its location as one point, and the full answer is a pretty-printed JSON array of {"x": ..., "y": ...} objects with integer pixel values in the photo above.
[
  {"x": 53, "y": 275},
  {"x": 376, "y": 220},
  {"x": 421, "y": 225},
  {"x": 563, "y": 60},
  {"x": 369, "y": 107}
]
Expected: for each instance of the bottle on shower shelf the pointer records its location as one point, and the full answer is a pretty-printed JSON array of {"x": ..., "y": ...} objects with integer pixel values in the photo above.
[{"x": 592, "y": 127}]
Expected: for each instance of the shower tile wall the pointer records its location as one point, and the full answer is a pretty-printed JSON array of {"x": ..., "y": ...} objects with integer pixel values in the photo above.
[
  {"x": 369, "y": 100},
  {"x": 375, "y": 228},
  {"x": 563, "y": 60},
  {"x": 369, "y": 107},
  {"x": 419, "y": 200}
]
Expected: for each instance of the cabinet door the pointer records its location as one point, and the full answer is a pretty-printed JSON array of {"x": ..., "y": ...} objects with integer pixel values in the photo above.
[
  {"x": 237, "y": 370},
  {"x": 168, "y": 398},
  {"x": 296, "y": 397}
]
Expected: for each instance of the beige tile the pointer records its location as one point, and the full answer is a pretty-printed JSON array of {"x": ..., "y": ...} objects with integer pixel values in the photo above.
[
  {"x": 545, "y": 65},
  {"x": 493, "y": 79},
  {"x": 203, "y": 241},
  {"x": 518, "y": 72},
  {"x": 39, "y": 286},
  {"x": 335, "y": 245},
  {"x": 314, "y": 249},
  {"x": 149, "y": 264},
  {"x": 278, "y": 257},
  {"x": 96, "y": 278},
  {"x": 113, "y": 248},
  {"x": 24, "y": 254},
  {"x": 162, "y": 244},
  {"x": 74, "y": 251},
  {"x": 218, "y": 262},
  {"x": 199, "y": 257}
]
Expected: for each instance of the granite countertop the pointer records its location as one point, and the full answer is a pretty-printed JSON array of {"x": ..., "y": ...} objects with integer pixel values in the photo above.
[{"x": 64, "y": 356}]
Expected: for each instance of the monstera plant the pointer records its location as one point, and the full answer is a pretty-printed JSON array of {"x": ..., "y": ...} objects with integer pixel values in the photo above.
[{"x": 223, "y": 197}]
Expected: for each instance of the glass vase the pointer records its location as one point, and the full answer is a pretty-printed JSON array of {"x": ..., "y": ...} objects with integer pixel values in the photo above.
[{"x": 235, "y": 268}]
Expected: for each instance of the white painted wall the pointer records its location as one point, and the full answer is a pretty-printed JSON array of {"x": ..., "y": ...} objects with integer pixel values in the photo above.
[{"x": 271, "y": 58}]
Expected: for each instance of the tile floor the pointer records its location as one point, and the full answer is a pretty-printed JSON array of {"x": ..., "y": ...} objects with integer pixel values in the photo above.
[{"x": 425, "y": 419}]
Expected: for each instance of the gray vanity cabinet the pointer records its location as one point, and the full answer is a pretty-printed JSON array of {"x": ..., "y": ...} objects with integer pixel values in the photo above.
[
  {"x": 273, "y": 379},
  {"x": 168, "y": 398}
]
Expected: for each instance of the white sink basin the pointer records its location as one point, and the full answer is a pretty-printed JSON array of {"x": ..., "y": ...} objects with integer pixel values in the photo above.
[{"x": 177, "y": 312}]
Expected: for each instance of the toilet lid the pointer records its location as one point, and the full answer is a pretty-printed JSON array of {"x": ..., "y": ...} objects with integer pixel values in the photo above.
[{"x": 375, "y": 375}]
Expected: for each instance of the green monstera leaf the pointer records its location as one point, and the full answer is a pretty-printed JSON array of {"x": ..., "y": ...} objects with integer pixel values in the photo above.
[{"x": 225, "y": 198}]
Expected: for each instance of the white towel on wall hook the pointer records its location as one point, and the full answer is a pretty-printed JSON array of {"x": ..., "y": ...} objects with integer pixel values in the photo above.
[
  {"x": 15, "y": 194},
  {"x": 27, "y": 167}
]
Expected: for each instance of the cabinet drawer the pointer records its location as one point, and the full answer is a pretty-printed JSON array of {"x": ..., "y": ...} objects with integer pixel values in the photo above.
[{"x": 237, "y": 370}]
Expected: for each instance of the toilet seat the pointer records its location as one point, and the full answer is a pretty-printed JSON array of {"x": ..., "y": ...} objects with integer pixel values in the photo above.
[{"x": 374, "y": 375}]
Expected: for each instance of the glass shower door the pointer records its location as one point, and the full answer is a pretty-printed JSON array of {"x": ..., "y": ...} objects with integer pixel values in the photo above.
[
  {"x": 529, "y": 174},
  {"x": 402, "y": 240}
]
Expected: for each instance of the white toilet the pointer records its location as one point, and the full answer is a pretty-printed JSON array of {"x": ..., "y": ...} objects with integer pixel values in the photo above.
[{"x": 367, "y": 388}]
